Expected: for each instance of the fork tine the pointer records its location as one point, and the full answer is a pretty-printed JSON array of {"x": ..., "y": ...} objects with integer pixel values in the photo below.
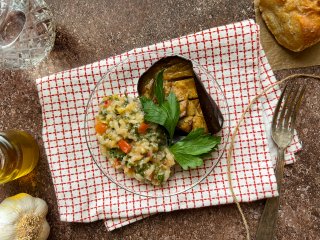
[
  {"x": 276, "y": 111},
  {"x": 293, "y": 100},
  {"x": 285, "y": 106},
  {"x": 297, "y": 107}
]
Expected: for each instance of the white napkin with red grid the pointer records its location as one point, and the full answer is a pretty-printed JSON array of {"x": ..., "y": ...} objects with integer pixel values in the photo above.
[{"x": 233, "y": 55}]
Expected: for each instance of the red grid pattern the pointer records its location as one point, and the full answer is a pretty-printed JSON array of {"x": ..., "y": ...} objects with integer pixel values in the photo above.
[{"x": 232, "y": 54}]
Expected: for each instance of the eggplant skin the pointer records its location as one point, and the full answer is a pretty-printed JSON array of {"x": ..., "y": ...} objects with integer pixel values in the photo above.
[{"x": 197, "y": 108}]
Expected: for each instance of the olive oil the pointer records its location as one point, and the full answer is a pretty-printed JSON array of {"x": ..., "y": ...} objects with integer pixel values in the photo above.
[{"x": 19, "y": 154}]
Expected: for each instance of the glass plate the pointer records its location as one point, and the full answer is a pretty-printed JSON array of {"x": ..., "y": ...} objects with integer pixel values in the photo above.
[{"x": 123, "y": 79}]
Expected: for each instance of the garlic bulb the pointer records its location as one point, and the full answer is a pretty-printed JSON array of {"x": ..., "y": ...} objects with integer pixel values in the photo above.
[{"x": 23, "y": 217}]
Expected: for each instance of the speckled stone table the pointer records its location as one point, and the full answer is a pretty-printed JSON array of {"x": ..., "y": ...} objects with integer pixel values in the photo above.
[{"x": 91, "y": 30}]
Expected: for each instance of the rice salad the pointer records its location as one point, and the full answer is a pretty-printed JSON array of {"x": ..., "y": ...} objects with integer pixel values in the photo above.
[{"x": 131, "y": 145}]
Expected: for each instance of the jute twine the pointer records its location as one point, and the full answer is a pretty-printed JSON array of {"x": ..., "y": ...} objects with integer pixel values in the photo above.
[{"x": 235, "y": 132}]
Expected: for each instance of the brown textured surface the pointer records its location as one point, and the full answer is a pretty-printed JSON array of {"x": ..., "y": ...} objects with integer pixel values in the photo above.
[{"x": 92, "y": 30}]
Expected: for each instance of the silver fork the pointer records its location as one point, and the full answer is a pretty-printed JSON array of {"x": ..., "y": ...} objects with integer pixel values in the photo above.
[{"x": 283, "y": 124}]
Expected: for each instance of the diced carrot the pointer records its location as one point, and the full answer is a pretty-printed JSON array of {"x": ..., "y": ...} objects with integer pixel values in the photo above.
[
  {"x": 106, "y": 103},
  {"x": 124, "y": 146},
  {"x": 143, "y": 128},
  {"x": 100, "y": 127}
]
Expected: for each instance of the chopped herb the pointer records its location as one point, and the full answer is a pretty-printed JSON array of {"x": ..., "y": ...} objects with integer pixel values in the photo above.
[
  {"x": 160, "y": 177},
  {"x": 140, "y": 169},
  {"x": 128, "y": 164},
  {"x": 104, "y": 112},
  {"x": 116, "y": 153}
]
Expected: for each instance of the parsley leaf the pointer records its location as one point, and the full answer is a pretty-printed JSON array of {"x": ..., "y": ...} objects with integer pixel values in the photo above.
[
  {"x": 166, "y": 113},
  {"x": 172, "y": 109},
  {"x": 189, "y": 151},
  {"x": 195, "y": 133},
  {"x": 152, "y": 112},
  {"x": 188, "y": 161},
  {"x": 158, "y": 88}
]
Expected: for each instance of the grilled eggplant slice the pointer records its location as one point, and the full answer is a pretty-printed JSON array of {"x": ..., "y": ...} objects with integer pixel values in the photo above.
[{"x": 197, "y": 108}]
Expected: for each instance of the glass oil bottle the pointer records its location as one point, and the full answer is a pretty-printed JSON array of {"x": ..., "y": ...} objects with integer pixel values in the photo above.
[{"x": 19, "y": 154}]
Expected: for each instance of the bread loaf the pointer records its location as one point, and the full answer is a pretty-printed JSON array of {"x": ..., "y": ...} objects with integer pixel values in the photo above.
[{"x": 294, "y": 23}]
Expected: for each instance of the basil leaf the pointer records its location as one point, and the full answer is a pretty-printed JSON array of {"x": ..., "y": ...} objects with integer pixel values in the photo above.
[{"x": 158, "y": 88}]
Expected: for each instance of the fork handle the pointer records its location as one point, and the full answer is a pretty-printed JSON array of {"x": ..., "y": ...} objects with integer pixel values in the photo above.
[{"x": 269, "y": 216}]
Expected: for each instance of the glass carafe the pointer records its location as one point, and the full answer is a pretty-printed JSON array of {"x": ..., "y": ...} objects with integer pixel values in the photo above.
[{"x": 27, "y": 33}]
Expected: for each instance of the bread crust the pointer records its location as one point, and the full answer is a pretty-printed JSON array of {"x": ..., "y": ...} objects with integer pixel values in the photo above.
[{"x": 294, "y": 23}]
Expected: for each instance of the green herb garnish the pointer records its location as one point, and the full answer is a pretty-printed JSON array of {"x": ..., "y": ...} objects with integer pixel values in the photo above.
[
  {"x": 116, "y": 153},
  {"x": 166, "y": 112},
  {"x": 158, "y": 88},
  {"x": 152, "y": 112},
  {"x": 189, "y": 151},
  {"x": 171, "y": 107},
  {"x": 160, "y": 178}
]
